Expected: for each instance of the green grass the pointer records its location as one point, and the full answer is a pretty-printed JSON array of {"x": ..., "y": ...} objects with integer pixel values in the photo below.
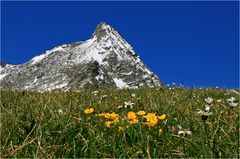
[{"x": 31, "y": 125}]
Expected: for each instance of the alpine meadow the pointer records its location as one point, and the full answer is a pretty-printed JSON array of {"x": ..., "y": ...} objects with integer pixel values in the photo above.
[{"x": 111, "y": 123}]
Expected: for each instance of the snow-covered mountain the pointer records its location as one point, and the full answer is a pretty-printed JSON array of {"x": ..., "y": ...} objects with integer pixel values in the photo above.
[{"x": 105, "y": 60}]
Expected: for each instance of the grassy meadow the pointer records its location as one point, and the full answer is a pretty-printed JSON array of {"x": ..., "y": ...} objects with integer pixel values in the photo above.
[{"x": 110, "y": 123}]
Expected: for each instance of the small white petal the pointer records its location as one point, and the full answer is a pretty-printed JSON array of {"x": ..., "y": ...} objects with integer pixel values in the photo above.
[
  {"x": 179, "y": 127},
  {"x": 200, "y": 112},
  {"x": 189, "y": 132},
  {"x": 232, "y": 99},
  {"x": 207, "y": 108},
  {"x": 104, "y": 96},
  {"x": 119, "y": 107},
  {"x": 128, "y": 104},
  {"x": 209, "y": 113},
  {"x": 209, "y": 100},
  {"x": 232, "y": 104},
  {"x": 181, "y": 133},
  {"x": 95, "y": 92},
  {"x": 60, "y": 111}
]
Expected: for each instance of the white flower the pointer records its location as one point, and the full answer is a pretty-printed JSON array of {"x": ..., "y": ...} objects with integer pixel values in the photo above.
[
  {"x": 219, "y": 100},
  {"x": 103, "y": 97},
  {"x": 205, "y": 113},
  {"x": 128, "y": 104},
  {"x": 232, "y": 99},
  {"x": 179, "y": 127},
  {"x": 183, "y": 133},
  {"x": 133, "y": 95},
  {"x": 60, "y": 111},
  {"x": 209, "y": 100},
  {"x": 232, "y": 104},
  {"x": 201, "y": 112},
  {"x": 207, "y": 108},
  {"x": 235, "y": 92},
  {"x": 188, "y": 132},
  {"x": 95, "y": 93},
  {"x": 119, "y": 107}
]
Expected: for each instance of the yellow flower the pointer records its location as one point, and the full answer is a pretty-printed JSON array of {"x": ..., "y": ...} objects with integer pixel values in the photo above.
[
  {"x": 141, "y": 113},
  {"x": 134, "y": 121},
  {"x": 116, "y": 120},
  {"x": 112, "y": 116},
  {"x": 108, "y": 124},
  {"x": 88, "y": 110},
  {"x": 152, "y": 119},
  {"x": 132, "y": 117},
  {"x": 161, "y": 117},
  {"x": 101, "y": 114}
]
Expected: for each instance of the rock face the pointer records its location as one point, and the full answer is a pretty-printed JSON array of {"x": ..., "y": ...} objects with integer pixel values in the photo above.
[{"x": 105, "y": 60}]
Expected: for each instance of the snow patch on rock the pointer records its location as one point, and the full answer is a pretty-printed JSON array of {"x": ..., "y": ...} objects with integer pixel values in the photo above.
[
  {"x": 99, "y": 77},
  {"x": 3, "y": 75},
  {"x": 128, "y": 73},
  {"x": 117, "y": 65},
  {"x": 120, "y": 83},
  {"x": 37, "y": 59}
]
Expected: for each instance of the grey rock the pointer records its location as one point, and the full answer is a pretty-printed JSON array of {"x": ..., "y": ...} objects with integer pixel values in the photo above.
[{"x": 105, "y": 60}]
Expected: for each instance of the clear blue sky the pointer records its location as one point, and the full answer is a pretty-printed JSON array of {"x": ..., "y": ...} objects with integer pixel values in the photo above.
[{"x": 196, "y": 43}]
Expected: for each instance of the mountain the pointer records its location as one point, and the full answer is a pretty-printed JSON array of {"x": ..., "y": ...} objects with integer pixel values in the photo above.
[{"x": 105, "y": 60}]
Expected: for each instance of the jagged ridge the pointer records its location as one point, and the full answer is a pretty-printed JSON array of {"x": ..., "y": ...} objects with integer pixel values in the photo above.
[{"x": 106, "y": 59}]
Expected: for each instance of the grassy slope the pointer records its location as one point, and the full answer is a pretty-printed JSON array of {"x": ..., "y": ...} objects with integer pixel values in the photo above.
[{"x": 31, "y": 125}]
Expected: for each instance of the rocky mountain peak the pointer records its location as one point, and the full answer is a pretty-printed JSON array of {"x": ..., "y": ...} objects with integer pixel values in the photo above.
[
  {"x": 104, "y": 60},
  {"x": 102, "y": 30}
]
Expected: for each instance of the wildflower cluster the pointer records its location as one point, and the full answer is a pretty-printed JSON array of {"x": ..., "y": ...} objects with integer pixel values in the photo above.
[
  {"x": 207, "y": 111},
  {"x": 66, "y": 128},
  {"x": 232, "y": 102},
  {"x": 150, "y": 119},
  {"x": 112, "y": 118}
]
